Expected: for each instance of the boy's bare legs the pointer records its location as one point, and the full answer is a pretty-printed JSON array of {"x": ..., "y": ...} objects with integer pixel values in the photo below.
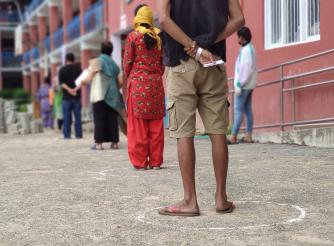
[
  {"x": 186, "y": 156},
  {"x": 220, "y": 164}
]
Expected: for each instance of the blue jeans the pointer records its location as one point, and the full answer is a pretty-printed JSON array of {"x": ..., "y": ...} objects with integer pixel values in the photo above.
[
  {"x": 243, "y": 104},
  {"x": 70, "y": 106}
]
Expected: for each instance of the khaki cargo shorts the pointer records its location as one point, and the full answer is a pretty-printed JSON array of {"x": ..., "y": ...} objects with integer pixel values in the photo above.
[{"x": 190, "y": 86}]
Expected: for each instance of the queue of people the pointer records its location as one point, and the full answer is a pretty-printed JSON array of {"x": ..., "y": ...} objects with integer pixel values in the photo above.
[{"x": 196, "y": 80}]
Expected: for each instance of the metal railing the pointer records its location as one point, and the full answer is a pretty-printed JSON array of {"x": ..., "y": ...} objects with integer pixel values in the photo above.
[
  {"x": 32, "y": 7},
  {"x": 94, "y": 17},
  {"x": 73, "y": 29},
  {"x": 9, "y": 60},
  {"x": 11, "y": 17},
  {"x": 292, "y": 89},
  {"x": 58, "y": 38}
]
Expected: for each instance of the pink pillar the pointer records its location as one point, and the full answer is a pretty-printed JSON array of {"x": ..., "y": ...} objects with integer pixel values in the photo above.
[
  {"x": 42, "y": 31},
  {"x": 1, "y": 82},
  {"x": 85, "y": 56},
  {"x": 41, "y": 74},
  {"x": 26, "y": 82},
  {"x": 34, "y": 82},
  {"x": 84, "y": 5},
  {"x": 42, "y": 28},
  {"x": 106, "y": 18},
  {"x": 25, "y": 41},
  {"x": 54, "y": 22},
  {"x": 67, "y": 16},
  {"x": 54, "y": 71},
  {"x": 33, "y": 34}
]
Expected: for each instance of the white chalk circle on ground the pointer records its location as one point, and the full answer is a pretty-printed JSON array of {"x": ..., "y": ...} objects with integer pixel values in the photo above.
[{"x": 247, "y": 215}]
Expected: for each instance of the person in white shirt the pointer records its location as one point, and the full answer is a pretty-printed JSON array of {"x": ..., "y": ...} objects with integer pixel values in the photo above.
[{"x": 244, "y": 84}]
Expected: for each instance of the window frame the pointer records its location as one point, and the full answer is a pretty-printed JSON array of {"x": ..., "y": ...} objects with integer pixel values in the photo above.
[{"x": 304, "y": 25}]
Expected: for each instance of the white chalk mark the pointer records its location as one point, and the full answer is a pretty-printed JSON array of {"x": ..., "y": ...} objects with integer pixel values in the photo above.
[{"x": 302, "y": 214}]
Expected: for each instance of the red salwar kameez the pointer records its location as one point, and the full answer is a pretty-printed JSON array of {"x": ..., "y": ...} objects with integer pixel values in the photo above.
[{"x": 146, "y": 106}]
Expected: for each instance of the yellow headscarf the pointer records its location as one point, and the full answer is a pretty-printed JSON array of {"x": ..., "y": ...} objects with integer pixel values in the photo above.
[{"x": 145, "y": 16}]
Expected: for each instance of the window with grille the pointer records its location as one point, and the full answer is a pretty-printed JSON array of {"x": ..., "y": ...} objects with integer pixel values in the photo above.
[{"x": 291, "y": 21}]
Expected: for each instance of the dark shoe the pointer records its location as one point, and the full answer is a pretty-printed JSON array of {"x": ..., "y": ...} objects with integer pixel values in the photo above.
[
  {"x": 114, "y": 146},
  {"x": 229, "y": 142},
  {"x": 140, "y": 168},
  {"x": 245, "y": 140},
  {"x": 93, "y": 147}
]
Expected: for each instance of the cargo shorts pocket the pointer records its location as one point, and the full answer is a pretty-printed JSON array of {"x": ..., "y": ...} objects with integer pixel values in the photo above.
[
  {"x": 172, "y": 115},
  {"x": 183, "y": 68}
]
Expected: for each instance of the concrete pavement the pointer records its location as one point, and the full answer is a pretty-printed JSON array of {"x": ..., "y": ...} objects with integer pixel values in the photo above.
[{"x": 57, "y": 192}]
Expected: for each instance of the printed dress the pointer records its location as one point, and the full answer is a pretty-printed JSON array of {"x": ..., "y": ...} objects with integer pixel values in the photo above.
[{"x": 146, "y": 106}]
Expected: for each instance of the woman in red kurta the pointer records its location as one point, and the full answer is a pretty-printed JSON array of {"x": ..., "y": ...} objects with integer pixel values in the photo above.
[{"x": 143, "y": 67}]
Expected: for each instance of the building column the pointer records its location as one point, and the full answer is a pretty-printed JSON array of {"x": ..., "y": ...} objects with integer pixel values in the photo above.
[
  {"x": 55, "y": 64},
  {"x": 25, "y": 41},
  {"x": 67, "y": 16},
  {"x": 34, "y": 81},
  {"x": 33, "y": 31},
  {"x": 42, "y": 73},
  {"x": 86, "y": 55},
  {"x": 34, "y": 88},
  {"x": 26, "y": 81},
  {"x": 1, "y": 81},
  {"x": 54, "y": 22},
  {"x": 42, "y": 31},
  {"x": 83, "y": 5}
]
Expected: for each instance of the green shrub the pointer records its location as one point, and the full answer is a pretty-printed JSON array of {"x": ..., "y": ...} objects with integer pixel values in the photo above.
[
  {"x": 21, "y": 94},
  {"x": 23, "y": 108},
  {"x": 7, "y": 93}
]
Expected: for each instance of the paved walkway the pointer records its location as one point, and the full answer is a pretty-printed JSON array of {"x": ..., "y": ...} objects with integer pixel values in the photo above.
[{"x": 57, "y": 192}]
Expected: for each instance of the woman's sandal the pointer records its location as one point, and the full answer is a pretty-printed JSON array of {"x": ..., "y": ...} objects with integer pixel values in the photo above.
[
  {"x": 114, "y": 146},
  {"x": 95, "y": 148}
]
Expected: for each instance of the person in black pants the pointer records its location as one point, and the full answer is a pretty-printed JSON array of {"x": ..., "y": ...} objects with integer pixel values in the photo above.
[{"x": 71, "y": 97}]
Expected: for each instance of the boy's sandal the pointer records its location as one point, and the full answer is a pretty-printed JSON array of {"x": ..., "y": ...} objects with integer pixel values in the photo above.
[
  {"x": 175, "y": 211},
  {"x": 226, "y": 210}
]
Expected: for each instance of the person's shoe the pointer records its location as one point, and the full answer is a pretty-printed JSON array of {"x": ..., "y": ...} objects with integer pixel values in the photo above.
[
  {"x": 114, "y": 146},
  {"x": 156, "y": 168},
  {"x": 94, "y": 147},
  {"x": 140, "y": 168}
]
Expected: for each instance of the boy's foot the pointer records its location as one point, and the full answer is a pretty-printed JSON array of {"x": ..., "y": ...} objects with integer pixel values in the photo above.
[
  {"x": 180, "y": 209},
  {"x": 228, "y": 207}
]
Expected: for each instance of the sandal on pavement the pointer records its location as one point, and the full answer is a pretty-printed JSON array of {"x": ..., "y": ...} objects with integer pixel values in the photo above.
[
  {"x": 156, "y": 168},
  {"x": 175, "y": 211},
  {"x": 229, "y": 142},
  {"x": 226, "y": 210},
  {"x": 245, "y": 140},
  {"x": 114, "y": 146},
  {"x": 140, "y": 168},
  {"x": 95, "y": 148}
]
